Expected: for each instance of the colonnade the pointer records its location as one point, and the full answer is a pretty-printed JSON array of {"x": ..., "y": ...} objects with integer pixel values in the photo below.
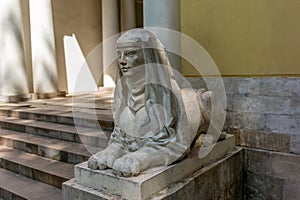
[{"x": 21, "y": 75}]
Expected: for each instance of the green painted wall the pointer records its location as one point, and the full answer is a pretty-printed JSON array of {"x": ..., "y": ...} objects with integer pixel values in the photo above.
[{"x": 253, "y": 37}]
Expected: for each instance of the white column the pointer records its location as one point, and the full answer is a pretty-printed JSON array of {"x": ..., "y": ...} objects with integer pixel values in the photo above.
[
  {"x": 164, "y": 14},
  {"x": 127, "y": 15},
  {"x": 110, "y": 26},
  {"x": 13, "y": 78},
  {"x": 45, "y": 75}
]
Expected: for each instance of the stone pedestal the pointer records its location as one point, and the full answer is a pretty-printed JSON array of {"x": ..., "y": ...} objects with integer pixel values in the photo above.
[{"x": 102, "y": 184}]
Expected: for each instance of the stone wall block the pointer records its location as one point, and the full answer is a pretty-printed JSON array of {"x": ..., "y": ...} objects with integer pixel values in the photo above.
[
  {"x": 274, "y": 164},
  {"x": 247, "y": 86},
  {"x": 295, "y": 143},
  {"x": 295, "y": 87},
  {"x": 262, "y": 140},
  {"x": 295, "y": 124},
  {"x": 263, "y": 187},
  {"x": 230, "y": 86},
  {"x": 276, "y": 105},
  {"x": 295, "y": 106},
  {"x": 278, "y": 123},
  {"x": 280, "y": 87},
  {"x": 253, "y": 121},
  {"x": 247, "y": 104},
  {"x": 224, "y": 181},
  {"x": 291, "y": 190},
  {"x": 230, "y": 102}
]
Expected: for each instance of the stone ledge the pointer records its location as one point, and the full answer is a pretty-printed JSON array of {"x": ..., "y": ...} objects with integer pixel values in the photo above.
[
  {"x": 271, "y": 175},
  {"x": 278, "y": 165},
  {"x": 280, "y": 142},
  {"x": 150, "y": 181}
]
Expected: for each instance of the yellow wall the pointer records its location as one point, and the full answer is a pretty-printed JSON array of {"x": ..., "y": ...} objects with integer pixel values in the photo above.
[
  {"x": 253, "y": 37},
  {"x": 82, "y": 17}
]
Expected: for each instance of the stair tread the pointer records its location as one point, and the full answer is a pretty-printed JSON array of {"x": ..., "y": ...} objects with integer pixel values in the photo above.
[
  {"x": 61, "y": 169},
  {"x": 61, "y": 111},
  {"x": 55, "y": 126},
  {"x": 52, "y": 143},
  {"x": 103, "y": 101},
  {"x": 27, "y": 188}
]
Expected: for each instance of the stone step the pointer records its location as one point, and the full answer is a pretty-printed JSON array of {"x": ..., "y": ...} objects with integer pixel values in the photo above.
[
  {"x": 16, "y": 187},
  {"x": 64, "y": 151},
  {"x": 45, "y": 170},
  {"x": 60, "y": 114},
  {"x": 94, "y": 101},
  {"x": 88, "y": 136}
]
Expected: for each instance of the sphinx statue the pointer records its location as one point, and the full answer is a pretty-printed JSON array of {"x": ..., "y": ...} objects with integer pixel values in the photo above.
[{"x": 156, "y": 121}]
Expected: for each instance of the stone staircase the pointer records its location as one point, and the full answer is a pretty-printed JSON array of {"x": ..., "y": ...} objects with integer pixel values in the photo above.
[{"x": 42, "y": 140}]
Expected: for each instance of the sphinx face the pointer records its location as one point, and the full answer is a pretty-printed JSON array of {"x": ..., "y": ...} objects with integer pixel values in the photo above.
[{"x": 131, "y": 61}]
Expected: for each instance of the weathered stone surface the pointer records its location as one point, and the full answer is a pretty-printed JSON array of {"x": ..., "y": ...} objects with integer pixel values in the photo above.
[
  {"x": 35, "y": 167},
  {"x": 245, "y": 104},
  {"x": 279, "y": 87},
  {"x": 295, "y": 144},
  {"x": 72, "y": 190},
  {"x": 278, "y": 123},
  {"x": 276, "y": 105},
  {"x": 291, "y": 190},
  {"x": 152, "y": 180},
  {"x": 247, "y": 86},
  {"x": 271, "y": 175},
  {"x": 263, "y": 187},
  {"x": 222, "y": 179},
  {"x": 273, "y": 164},
  {"x": 17, "y": 187},
  {"x": 295, "y": 106},
  {"x": 263, "y": 140},
  {"x": 253, "y": 102},
  {"x": 245, "y": 120},
  {"x": 258, "y": 104},
  {"x": 295, "y": 124},
  {"x": 253, "y": 121}
]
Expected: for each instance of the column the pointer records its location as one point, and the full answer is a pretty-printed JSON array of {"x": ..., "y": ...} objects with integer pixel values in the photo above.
[
  {"x": 164, "y": 14},
  {"x": 110, "y": 25},
  {"x": 45, "y": 72},
  {"x": 13, "y": 72},
  {"x": 128, "y": 15}
]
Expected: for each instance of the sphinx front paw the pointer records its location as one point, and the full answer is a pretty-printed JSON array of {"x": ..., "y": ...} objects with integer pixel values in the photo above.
[
  {"x": 101, "y": 160},
  {"x": 127, "y": 166},
  {"x": 106, "y": 158}
]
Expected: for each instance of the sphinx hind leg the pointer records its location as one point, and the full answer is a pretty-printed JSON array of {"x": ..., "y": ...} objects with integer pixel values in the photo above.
[{"x": 214, "y": 117}]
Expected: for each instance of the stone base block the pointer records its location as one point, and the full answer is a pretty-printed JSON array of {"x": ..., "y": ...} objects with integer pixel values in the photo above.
[{"x": 147, "y": 183}]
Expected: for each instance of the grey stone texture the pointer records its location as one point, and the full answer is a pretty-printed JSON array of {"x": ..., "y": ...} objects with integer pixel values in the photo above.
[
  {"x": 222, "y": 180},
  {"x": 262, "y": 140},
  {"x": 271, "y": 175},
  {"x": 153, "y": 180},
  {"x": 291, "y": 190},
  {"x": 265, "y": 105}
]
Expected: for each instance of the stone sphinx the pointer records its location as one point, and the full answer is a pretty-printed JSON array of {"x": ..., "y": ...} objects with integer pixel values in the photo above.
[{"x": 156, "y": 121}]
